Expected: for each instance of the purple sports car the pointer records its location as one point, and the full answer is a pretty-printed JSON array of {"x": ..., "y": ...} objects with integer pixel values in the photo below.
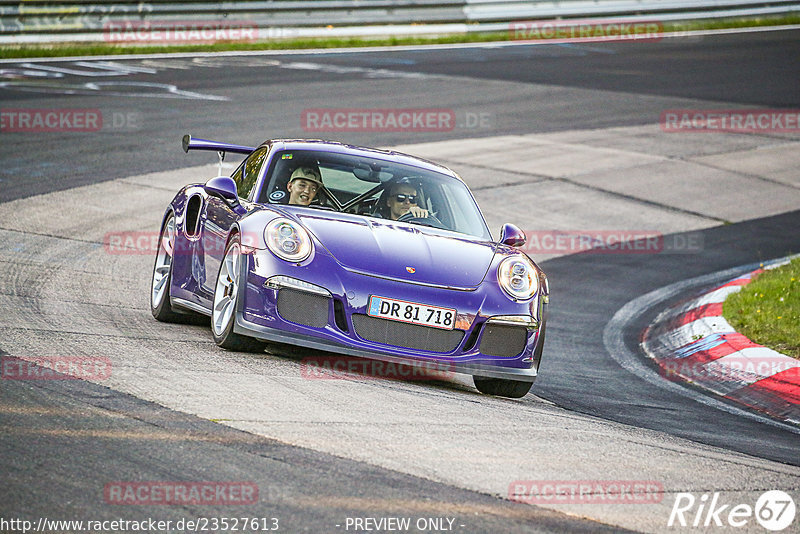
[{"x": 356, "y": 251}]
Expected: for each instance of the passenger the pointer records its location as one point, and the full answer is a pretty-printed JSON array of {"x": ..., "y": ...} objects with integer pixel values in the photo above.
[{"x": 303, "y": 185}]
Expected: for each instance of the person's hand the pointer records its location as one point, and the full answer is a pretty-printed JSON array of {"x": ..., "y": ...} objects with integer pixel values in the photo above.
[{"x": 417, "y": 212}]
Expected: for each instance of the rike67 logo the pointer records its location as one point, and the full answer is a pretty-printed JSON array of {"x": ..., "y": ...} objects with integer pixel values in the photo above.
[{"x": 774, "y": 510}]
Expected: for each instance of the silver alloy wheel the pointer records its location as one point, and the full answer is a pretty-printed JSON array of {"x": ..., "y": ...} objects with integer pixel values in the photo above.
[
  {"x": 226, "y": 291},
  {"x": 166, "y": 250}
]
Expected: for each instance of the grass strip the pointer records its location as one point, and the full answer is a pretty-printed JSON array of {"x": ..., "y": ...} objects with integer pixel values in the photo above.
[
  {"x": 767, "y": 310},
  {"x": 103, "y": 49}
]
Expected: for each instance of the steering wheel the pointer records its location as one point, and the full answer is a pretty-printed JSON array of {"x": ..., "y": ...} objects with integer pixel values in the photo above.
[{"x": 430, "y": 220}]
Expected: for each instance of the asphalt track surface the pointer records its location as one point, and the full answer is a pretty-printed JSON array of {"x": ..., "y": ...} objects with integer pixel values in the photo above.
[
  {"x": 58, "y": 436},
  {"x": 618, "y": 396},
  {"x": 578, "y": 86},
  {"x": 62, "y": 441}
]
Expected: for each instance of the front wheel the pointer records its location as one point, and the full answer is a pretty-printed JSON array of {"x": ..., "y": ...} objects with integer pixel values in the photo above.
[
  {"x": 226, "y": 295},
  {"x": 513, "y": 389}
]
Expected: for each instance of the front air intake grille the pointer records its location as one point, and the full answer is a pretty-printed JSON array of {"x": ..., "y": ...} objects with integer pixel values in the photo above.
[
  {"x": 303, "y": 308},
  {"x": 406, "y": 335},
  {"x": 339, "y": 316},
  {"x": 504, "y": 341}
]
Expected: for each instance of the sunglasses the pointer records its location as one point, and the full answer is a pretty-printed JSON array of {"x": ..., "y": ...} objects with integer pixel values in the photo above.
[{"x": 402, "y": 198}]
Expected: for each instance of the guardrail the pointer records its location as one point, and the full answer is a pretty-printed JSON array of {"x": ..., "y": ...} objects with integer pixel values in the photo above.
[{"x": 89, "y": 20}]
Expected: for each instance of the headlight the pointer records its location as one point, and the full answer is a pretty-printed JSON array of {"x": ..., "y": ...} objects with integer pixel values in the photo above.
[
  {"x": 518, "y": 277},
  {"x": 288, "y": 240}
]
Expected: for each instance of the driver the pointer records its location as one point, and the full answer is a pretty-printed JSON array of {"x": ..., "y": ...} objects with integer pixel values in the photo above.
[
  {"x": 402, "y": 199},
  {"x": 303, "y": 185}
]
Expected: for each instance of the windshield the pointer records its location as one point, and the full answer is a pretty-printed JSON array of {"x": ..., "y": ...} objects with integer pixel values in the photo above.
[{"x": 373, "y": 188}]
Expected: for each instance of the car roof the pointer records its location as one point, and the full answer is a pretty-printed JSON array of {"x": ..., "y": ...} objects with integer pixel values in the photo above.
[{"x": 353, "y": 150}]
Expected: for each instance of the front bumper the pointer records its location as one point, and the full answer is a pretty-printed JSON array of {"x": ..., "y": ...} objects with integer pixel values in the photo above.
[{"x": 480, "y": 312}]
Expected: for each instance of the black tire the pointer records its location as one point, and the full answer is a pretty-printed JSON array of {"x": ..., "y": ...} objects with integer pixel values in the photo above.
[
  {"x": 160, "y": 305},
  {"x": 513, "y": 389},
  {"x": 222, "y": 323}
]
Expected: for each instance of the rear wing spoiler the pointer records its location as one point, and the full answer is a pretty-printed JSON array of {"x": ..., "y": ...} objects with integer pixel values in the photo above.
[
  {"x": 189, "y": 143},
  {"x": 220, "y": 148}
]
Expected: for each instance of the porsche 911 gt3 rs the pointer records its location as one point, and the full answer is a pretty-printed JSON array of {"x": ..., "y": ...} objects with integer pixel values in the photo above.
[{"x": 333, "y": 267}]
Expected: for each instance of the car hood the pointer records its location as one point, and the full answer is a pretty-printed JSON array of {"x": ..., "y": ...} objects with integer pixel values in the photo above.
[{"x": 413, "y": 253}]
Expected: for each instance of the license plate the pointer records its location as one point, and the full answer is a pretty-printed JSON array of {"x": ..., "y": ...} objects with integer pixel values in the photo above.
[{"x": 411, "y": 312}]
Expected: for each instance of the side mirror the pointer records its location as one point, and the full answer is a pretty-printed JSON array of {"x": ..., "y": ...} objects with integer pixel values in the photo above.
[
  {"x": 223, "y": 187},
  {"x": 512, "y": 236}
]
